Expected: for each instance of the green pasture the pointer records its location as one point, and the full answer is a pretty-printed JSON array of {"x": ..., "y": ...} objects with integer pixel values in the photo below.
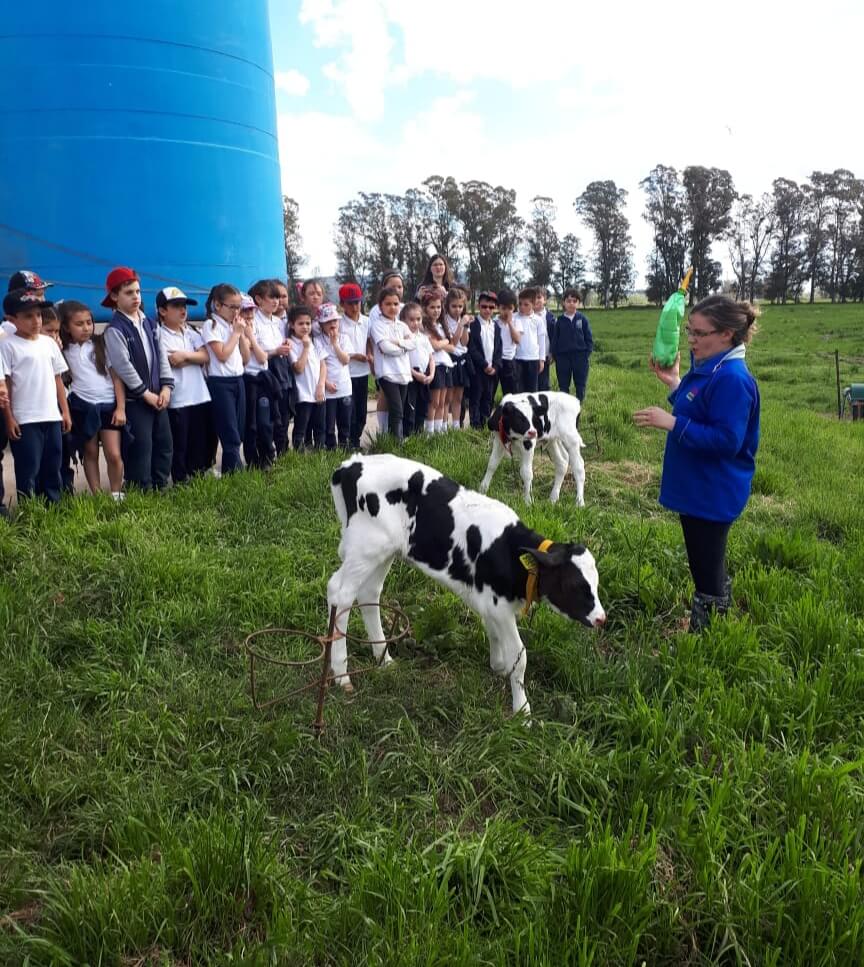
[{"x": 679, "y": 800}]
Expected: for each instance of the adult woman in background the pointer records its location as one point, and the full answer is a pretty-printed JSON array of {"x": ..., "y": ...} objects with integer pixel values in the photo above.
[
  {"x": 713, "y": 434},
  {"x": 438, "y": 275}
]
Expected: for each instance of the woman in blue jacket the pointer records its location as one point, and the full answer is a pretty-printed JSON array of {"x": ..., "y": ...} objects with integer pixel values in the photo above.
[{"x": 711, "y": 447}]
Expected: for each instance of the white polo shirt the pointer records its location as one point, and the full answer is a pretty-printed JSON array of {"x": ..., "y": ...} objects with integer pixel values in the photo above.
[
  {"x": 306, "y": 382},
  {"x": 190, "y": 386},
  {"x": 218, "y": 330},
  {"x": 337, "y": 371},
  {"x": 441, "y": 356},
  {"x": 533, "y": 343},
  {"x": 88, "y": 383},
  {"x": 421, "y": 353},
  {"x": 451, "y": 324},
  {"x": 508, "y": 347},
  {"x": 354, "y": 336},
  {"x": 32, "y": 365},
  {"x": 270, "y": 334}
]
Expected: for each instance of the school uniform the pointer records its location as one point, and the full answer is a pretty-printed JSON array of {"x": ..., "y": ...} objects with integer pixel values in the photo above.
[
  {"x": 392, "y": 342},
  {"x": 543, "y": 379},
  {"x": 509, "y": 373},
  {"x": 354, "y": 341},
  {"x": 309, "y": 412},
  {"x": 530, "y": 351},
  {"x": 420, "y": 359},
  {"x": 137, "y": 355},
  {"x": 337, "y": 403},
  {"x": 190, "y": 411},
  {"x": 571, "y": 346},
  {"x": 443, "y": 363},
  {"x": 484, "y": 347},
  {"x": 32, "y": 366},
  {"x": 227, "y": 392},
  {"x": 459, "y": 355},
  {"x": 92, "y": 402},
  {"x": 259, "y": 448}
]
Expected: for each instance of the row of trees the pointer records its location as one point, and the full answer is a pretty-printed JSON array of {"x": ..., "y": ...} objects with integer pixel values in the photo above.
[{"x": 787, "y": 243}]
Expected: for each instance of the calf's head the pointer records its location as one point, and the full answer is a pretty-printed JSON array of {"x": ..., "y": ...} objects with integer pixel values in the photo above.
[
  {"x": 567, "y": 580},
  {"x": 509, "y": 418}
]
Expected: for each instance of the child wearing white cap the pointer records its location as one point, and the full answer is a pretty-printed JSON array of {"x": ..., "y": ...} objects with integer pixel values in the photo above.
[
  {"x": 190, "y": 411},
  {"x": 337, "y": 382}
]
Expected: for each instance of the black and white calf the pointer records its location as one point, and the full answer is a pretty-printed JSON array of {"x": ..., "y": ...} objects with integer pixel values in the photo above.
[
  {"x": 471, "y": 544},
  {"x": 524, "y": 421}
]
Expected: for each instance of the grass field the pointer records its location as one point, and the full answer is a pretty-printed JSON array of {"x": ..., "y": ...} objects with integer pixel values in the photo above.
[{"x": 679, "y": 800}]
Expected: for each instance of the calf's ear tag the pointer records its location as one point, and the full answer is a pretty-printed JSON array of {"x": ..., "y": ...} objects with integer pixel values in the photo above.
[{"x": 528, "y": 561}]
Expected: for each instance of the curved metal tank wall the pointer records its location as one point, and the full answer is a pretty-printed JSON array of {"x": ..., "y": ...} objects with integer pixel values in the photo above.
[{"x": 139, "y": 134}]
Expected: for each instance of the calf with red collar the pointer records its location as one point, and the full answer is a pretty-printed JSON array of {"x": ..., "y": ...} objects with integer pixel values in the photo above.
[
  {"x": 475, "y": 546},
  {"x": 522, "y": 422}
]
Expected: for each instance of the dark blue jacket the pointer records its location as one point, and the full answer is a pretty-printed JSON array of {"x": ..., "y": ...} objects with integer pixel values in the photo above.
[
  {"x": 571, "y": 335},
  {"x": 475, "y": 347},
  {"x": 711, "y": 451}
]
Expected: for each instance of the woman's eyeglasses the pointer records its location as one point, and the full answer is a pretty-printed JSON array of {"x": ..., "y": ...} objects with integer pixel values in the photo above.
[{"x": 698, "y": 333}]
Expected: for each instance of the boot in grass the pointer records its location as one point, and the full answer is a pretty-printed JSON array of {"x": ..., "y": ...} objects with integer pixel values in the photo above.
[{"x": 704, "y": 605}]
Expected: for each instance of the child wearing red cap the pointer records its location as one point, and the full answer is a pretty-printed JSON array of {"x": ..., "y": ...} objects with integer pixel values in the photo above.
[{"x": 138, "y": 356}]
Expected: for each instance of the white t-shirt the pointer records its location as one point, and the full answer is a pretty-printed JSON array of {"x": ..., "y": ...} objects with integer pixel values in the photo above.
[
  {"x": 8, "y": 327},
  {"x": 354, "y": 336},
  {"x": 337, "y": 372},
  {"x": 508, "y": 347},
  {"x": 441, "y": 356},
  {"x": 451, "y": 324},
  {"x": 218, "y": 330},
  {"x": 32, "y": 365},
  {"x": 421, "y": 353},
  {"x": 533, "y": 344},
  {"x": 391, "y": 361},
  {"x": 88, "y": 383},
  {"x": 190, "y": 387},
  {"x": 270, "y": 334},
  {"x": 306, "y": 382}
]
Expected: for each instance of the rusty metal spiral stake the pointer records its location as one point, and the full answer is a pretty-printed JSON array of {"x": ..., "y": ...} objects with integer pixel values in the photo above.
[{"x": 399, "y": 628}]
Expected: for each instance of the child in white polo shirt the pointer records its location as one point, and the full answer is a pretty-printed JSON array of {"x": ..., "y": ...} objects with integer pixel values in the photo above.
[
  {"x": 392, "y": 341},
  {"x": 190, "y": 411},
  {"x": 310, "y": 374},
  {"x": 37, "y": 414},
  {"x": 511, "y": 335},
  {"x": 337, "y": 382},
  {"x": 355, "y": 339},
  {"x": 531, "y": 351}
]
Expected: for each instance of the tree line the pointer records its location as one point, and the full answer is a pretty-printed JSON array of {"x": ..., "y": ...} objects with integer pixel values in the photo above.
[{"x": 783, "y": 246}]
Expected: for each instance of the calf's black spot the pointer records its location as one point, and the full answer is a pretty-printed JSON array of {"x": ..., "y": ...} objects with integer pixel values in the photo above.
[
  {"x": 527, "y": 444},
  {"x": 540, "y": 413},
  {"x": 514, "y": 420},
  {"x": 346, "y": 478},
  {"x": 459, "y": 569},
  {"x": 473, "y": 541},
  {"x": 432, "y": 537},
  {"x": 373, "y": 504}
]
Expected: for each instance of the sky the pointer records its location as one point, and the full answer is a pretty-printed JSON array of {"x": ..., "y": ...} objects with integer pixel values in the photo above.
[{"x": 545, "y": 97}]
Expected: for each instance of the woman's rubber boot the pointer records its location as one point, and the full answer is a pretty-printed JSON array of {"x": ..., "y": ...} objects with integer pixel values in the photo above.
[{"x": 704, "y": 605}]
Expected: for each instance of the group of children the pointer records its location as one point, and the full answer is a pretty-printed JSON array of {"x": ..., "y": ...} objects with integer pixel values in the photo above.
[{"x": 159, "y": 395}]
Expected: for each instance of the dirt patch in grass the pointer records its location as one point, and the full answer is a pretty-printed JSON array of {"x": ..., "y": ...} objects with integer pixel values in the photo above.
[{"x": 628, "y": 472}]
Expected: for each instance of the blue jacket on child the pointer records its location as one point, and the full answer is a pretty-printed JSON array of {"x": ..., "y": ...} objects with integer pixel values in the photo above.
[
  {"x": 710, "y": 453},
  {"x": 571, "y": 335}
]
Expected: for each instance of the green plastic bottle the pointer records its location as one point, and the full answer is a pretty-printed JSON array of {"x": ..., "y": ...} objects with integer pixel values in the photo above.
[{"x": 669, "y": 327}]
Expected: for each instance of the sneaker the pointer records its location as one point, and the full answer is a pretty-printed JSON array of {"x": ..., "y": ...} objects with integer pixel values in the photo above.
[{"x": 118, "y": 496}]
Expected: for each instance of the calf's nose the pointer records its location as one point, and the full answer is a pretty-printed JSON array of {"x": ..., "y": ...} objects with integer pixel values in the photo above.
[{"x": 599, "y": 622}]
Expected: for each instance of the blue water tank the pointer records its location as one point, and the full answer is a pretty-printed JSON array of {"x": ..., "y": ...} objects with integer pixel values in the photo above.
[{"x": 139, "y": 134}]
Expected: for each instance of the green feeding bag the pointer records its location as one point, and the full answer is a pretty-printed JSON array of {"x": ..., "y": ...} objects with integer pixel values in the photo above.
[{"x": 669, "y": 327}]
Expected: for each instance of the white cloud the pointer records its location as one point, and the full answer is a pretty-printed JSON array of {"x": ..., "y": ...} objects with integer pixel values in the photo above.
[
  {"x": 745, "y": 88},
  {"x": 292, "y": 82}
]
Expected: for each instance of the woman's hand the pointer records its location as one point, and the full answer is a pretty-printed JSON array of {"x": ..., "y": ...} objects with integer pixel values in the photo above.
[
  {"x": 654, "y": 416},
  {"x": 666, "y": 374}
]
